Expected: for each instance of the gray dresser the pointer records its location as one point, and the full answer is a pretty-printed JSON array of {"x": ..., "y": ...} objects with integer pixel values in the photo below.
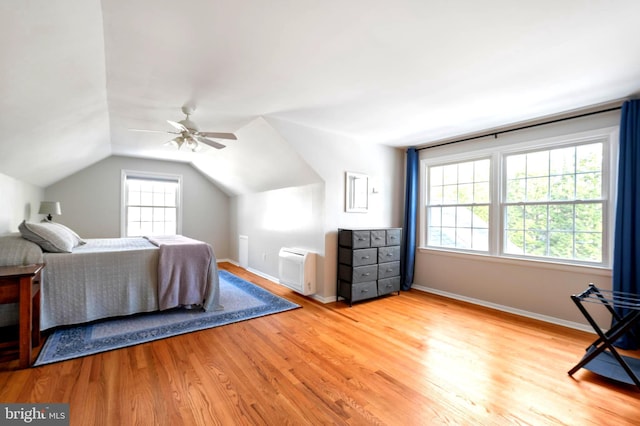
[{"x": 368, "y": 263}]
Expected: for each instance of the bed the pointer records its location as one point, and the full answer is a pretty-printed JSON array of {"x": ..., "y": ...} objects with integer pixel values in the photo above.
[{"x": 90, "y": 279}]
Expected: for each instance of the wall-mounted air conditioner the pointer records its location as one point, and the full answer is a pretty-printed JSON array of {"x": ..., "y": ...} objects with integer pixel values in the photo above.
[{"x": 297, "y": 270}]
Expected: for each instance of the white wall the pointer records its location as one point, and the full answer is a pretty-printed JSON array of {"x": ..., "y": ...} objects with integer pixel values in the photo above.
[
  {"x": 537, "y": 289},
  {"x": 331, "y": 156},
  {"x": 288, "y": 217},
  {"x": 18, "y": 201},
  {"x": 91, "y": 199}
]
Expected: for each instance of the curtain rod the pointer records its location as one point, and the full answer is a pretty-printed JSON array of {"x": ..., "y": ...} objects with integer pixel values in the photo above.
[{"x": 528, "y": 126}]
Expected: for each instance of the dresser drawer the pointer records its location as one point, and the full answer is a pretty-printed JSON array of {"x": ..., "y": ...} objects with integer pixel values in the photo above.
[
  {"x": 359, "y": 257},
  {"x": 388, "y": 285},
  {"x": 354, "y": 238},
  {"x": 388, "y": 254},
  {"x": 358, "y": 274},
  {"x": 378, "y": 238},
  {"x": 362, "y": 291},
  {"x": 393, "y": 237},
  {"x": 389, "y": 269}
]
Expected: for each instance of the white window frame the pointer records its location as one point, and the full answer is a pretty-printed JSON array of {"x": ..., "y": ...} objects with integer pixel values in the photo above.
[
  {"x": 126, "y": 174},
  {"x": 489, "y": 204},
  {"x": 496, "y": 149}
]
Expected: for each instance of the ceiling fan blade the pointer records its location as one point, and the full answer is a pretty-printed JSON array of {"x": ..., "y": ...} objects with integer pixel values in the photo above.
[
  {"x": 210, "y": 142},
  {"x": 218, "y": 135},
  {"x": 178, "y": 126},
  {"x": 153, "y": 131}
]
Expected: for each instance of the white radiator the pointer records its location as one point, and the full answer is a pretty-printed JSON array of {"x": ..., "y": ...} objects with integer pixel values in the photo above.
[{"x": 297, "y": 270}]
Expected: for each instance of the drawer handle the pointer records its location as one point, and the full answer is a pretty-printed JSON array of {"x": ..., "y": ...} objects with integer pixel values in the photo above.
[
  {"x": 364, "y": 257},
  {"x": 364, "y": 290},
  {"x": 389, "y": 254},
  {"x": 389, "y": 270},
  {"x": 366, "y": 275}
]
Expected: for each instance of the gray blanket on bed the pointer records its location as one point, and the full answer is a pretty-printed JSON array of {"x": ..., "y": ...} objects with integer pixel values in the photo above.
[{"x": 183, "y": 271}]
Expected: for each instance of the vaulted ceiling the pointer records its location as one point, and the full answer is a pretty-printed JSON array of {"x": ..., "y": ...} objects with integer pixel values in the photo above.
[{"x": 76, "y": 75}]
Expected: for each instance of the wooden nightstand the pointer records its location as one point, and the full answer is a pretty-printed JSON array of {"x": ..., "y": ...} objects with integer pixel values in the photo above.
[{"x": 21, "y": 284}]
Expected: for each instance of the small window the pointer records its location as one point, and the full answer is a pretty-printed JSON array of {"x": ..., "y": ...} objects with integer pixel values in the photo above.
[{"x": 151, "y": 204}]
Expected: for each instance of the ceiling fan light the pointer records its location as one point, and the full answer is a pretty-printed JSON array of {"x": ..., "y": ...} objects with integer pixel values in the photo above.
[
  {"x": 176, "y": 142},
  {"x": 191, "y": 143}
]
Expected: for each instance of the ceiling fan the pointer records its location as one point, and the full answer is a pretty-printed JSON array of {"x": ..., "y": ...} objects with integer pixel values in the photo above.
[{"x": 188, "y": 134}]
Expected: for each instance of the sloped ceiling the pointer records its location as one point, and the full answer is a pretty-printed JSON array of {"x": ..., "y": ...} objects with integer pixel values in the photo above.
[
  {"x": 75, "y": 75},
  {"x": 265, "y": 162},
  {"x": 54, "y": 118}
]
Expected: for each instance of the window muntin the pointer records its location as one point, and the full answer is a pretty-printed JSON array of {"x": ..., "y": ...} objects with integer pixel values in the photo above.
[
  {"x": 458, "y": 206},
  {"x": 151, "y": 204},
  {"x": 554, "y": 205}
]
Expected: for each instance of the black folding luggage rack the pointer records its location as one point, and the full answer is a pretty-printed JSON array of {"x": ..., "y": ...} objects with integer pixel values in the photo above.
[{"x": 602, "y": 357}]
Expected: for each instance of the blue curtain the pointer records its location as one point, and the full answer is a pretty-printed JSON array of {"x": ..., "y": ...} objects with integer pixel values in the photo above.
[
  {"x": 626, "y": 256},
  {"x": 408, "y": 256}
]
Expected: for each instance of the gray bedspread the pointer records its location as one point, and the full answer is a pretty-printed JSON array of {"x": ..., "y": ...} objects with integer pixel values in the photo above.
[{"x": 104, "y": 278}]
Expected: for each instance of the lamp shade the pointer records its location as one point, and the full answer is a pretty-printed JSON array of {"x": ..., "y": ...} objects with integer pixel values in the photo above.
[{"x": 50, "y": 207}]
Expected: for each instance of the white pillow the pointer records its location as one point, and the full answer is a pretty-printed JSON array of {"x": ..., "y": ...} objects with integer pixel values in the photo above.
[
  {"x": 50, "y": 238},
  {"x": 77, "y": 241}
]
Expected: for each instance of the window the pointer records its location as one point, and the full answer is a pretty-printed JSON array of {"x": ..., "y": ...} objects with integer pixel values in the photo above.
[
  {"x": 151, "y": 204},
  {"x": 459, "y": 205},
  {"x": 554, "y": 203},
  {"x": 546, "y": 200}
]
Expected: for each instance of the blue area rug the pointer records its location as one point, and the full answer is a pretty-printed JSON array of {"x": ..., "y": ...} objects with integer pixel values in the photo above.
[{"x": 241, "y": 301}]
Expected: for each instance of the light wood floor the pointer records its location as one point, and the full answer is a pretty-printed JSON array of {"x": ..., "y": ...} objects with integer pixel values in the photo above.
[{"x": 413, "y": 359}]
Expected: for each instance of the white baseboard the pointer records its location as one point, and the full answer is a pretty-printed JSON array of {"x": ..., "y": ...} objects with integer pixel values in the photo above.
[
  {"x": 263, "y": 275},
  {"x": 322, "y": 299},
  {"x": 508, "y": 309},
  {"x": 276, "y": 281}
]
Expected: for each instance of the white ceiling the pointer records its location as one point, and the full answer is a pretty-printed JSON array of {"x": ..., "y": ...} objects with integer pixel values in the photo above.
[{"x": 75, "y": 75}]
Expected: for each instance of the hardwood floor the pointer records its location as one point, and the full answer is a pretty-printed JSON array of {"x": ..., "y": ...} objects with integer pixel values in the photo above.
[{"x": 413, "y": 359}]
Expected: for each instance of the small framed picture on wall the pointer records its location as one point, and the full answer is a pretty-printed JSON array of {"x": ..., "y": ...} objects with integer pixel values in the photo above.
[{"x": 356, "y": 192}]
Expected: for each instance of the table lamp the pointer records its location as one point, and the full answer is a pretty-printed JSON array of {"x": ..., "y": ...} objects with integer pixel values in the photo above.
[{"x": 49, "y": 208}]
